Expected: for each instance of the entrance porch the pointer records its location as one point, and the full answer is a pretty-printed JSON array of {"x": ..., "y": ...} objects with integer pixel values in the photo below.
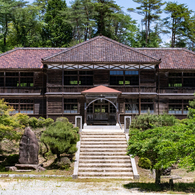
[{"x": 101, "y": 107}]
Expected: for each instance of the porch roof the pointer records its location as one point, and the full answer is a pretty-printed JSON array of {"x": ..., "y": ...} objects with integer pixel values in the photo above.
[{"x": 101, "y": 89}]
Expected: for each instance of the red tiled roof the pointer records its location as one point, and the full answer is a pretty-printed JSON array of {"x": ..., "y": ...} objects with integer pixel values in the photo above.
[
  {"x": 101, "y": 89},
  {"x": 101, "y": 49},
  {"x": 172, "y": 58},
  {"x": 26, "y": 57}
]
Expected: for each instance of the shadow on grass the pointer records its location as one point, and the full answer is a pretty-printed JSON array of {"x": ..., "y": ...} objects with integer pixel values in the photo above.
[{"x": 152, "y": 187}]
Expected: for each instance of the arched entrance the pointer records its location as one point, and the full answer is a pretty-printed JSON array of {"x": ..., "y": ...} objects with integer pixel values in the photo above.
[{"x": 101, "y": 111}]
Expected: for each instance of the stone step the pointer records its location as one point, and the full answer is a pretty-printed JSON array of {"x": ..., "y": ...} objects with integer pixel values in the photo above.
[
  {"x": 104, "y": 157},
  {"x": 104, "y": 161},
  {"x": 103, "y": 177},
  {"x": 107, "y": 169},
  {"x": 102, "y": 135},
  {"x": 103, "y": 150},
  {"x": 102, "y": 139},
  {"x": 104, "y": 165},
  {"x": 91, "y": 153},
  {"x": 24, "y": 170},
  {"x": 104, "y": 142},
  {"x": 104, "y": 146},
  {"x": 115, "y": 174}
]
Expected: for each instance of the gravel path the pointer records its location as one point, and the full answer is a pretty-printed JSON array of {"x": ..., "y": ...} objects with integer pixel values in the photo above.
[{"x": 39, "y": 187}]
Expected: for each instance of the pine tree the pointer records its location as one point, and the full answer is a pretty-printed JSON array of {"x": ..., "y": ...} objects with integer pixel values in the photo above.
[
  {"x": 104, "y": 12},
  {"x": 56, "y": 32},
  {"x": 177, "y": 23},
  {"x": 150, "y": 9}
]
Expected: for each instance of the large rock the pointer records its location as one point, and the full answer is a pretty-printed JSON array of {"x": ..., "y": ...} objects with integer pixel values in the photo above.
[{"x": 29, "y": 148}]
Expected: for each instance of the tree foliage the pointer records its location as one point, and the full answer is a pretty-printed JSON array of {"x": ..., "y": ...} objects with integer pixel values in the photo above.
[
  {"x": 61, "y": 138},
  {"x": 50, "y": 23},
  {"x": 148, "y": 121},
  {"x": 56, "y": 31}
]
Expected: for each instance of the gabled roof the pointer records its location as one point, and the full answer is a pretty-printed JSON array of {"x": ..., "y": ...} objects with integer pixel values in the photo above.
[
  {"x": 26, "y": 57},
  {"x": 101, "y": 49},
  {"x": 172, "y": 58},
  {"x": 101, "y": 89}
]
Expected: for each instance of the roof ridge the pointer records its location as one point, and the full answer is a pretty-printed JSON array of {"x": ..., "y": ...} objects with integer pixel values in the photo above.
[
  {"x": 98, "y": 37},
  {"x": 42, "y": 48},
  {"x": 189, "y": 51},
  {"x": 75, "y": 46},
  {"x": 126, "y": 46}
]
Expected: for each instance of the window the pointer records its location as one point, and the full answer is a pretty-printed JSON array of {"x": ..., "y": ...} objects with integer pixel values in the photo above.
[
  {"x": 16, "y": 79},
  {"x": 78, "y": 77},
  {"x": 21, "y": 105},
  {"x": 70, "y": 106},
  {"x": 189, "y": 79},
  {"x": 132, "y": 106},
  {"x": 90, "y": 108},
  {"x": 112, "y": 109},
  {"x": 175, "y": 80},
  {"x": 175, "y": 106},
  {"x": 26, "y": 79},
  {"x": 124, "y": 77},
  {"x": 147, "y": 105}
]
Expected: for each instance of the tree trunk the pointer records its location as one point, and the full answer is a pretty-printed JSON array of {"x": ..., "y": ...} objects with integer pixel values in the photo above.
[
  {"x": 58, "y": 157},
  {"x": 158, "y": 174}
]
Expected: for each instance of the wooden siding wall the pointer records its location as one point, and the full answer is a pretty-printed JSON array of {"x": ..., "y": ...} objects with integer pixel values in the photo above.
[
  {"x": 101, "y": 77},
  {"x": 54, "y": 77},
  {"x": 54, "y": 106}
]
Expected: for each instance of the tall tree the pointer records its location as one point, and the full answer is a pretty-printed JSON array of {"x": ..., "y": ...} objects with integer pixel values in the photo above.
[
  {"x": 177, "y": 23},
  {"x": 56, "y": 32},
  {"x": 25, "y": 25},
  {"x": 150, "y": 10},
  {"x": 7, "y": 8},
  {"x": 104, "y": 12}
]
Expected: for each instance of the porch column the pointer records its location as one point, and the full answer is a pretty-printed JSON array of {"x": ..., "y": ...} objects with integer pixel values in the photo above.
[
  {"x": 85, "y": 115},
  {"x": 117, "y": 116}
]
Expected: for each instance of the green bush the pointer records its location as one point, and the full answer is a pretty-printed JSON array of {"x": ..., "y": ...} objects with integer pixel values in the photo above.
[
  {"x": 48, "y": 122},
  {"x": 61, "y": 138},
  {"x": 148, "y": 121},
  {"x": 62, "y": 119},
  {"x": 40, "y": 122},
  {"x": 33, "y": 122},
  {"x": 144, "y": 163},
  {"x": 22, "y": 118}
]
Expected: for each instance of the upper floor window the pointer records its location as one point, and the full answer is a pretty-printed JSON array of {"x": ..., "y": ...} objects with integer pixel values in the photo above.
[
  {"x": 78, "y": 77},
  {"x": 181, "y": 80},
  {"x": 16, "y": 79},
  {"x": 124, "y": 77}
]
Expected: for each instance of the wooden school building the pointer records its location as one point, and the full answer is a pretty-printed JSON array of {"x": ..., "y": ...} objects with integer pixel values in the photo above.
[{"x": 98, "y": 82}]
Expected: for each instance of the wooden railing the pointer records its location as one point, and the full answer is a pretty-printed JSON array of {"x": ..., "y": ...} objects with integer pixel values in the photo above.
[{"x": 20, "y": 90}]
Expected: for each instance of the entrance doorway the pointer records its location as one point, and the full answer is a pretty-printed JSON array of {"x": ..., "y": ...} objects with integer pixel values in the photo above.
[{"x": 101, "y": 112}]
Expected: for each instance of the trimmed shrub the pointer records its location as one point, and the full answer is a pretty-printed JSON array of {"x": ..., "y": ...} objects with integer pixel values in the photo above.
[
  {"x": 61, "y": 138},
  {"x": 144, "y": 163},
  {"x": 62, "y": 119},
  {"x": 33, "y": 122},
  {"x": 22, "y": 118},
  {"x": 48, "y": 122},
  {"x": 149, "y": 121}
]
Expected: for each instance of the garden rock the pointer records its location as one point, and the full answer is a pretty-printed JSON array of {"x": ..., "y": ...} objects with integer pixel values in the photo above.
[{"x": 29, "y": 148}]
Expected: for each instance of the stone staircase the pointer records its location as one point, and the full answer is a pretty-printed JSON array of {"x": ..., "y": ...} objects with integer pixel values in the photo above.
[{"x": 103, "y": 155}]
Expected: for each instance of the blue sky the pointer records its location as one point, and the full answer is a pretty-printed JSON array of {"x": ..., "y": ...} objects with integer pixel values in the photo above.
[{"x": 131, "y": 4}]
